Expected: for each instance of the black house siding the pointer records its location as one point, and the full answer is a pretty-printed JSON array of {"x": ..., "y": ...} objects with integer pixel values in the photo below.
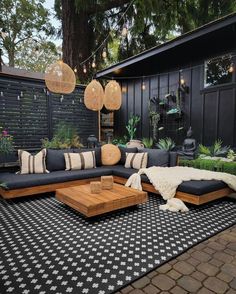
[{"x": 210, "y": 111}]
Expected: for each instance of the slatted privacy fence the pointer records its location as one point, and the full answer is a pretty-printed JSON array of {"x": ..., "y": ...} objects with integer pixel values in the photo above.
[{"x": 29, "y": 112}]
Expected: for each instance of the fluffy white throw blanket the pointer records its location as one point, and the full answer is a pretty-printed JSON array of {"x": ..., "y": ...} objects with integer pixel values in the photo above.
[{"x": 167, "y": 179}]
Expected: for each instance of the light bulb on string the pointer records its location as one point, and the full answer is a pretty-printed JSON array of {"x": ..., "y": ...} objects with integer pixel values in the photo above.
[
  {"x": 104, "y": 54},
  {"x": 75, "y": 70},
  {"x": 93, "y": 64},
  {"x": 143, "y": 86},
  {"x": 124, "y": 32},
  {"x": 84, "y": 69},
  {"x": 182, "y": 81},
  {"x": 231, "y": 68}
]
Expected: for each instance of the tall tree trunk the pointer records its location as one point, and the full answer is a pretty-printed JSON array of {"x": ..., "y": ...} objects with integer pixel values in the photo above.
[
  {"x": 76, "y": 34},
  {"x": 11, "y": 56}
]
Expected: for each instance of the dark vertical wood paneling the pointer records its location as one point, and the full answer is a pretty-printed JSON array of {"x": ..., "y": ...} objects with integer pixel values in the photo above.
[
  {"x": 210, "y": 118},
  {"x": 196, "y": 105},
  {"x": 187, "y": 101},
  {"x": 226, "y": 116},
  {"x": 145, "y": 111},
  {"x": 163, "y": 90},
  {"x": 138, "y": 104},
  {"x": 131, "y": 97}
]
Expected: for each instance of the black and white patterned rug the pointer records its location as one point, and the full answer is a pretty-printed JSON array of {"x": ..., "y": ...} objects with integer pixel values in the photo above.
[{"x": 47, "y": 247}]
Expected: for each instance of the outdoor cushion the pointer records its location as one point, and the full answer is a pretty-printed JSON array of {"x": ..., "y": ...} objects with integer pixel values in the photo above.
[
  {"x": 136, "y": 160},
  {"x": 81, "y": 160},
  {"x": 13, "y": 181},
  {"x": 55, "y": 159},
  {"x": 97, "y": 150},
  {"x": 123, "y": 151},
  {"x": 156, "y": 157},
  {"x": 201, "y": 187},
  {"x": 32, "y": 164},
  {"x": 121, "y": 171}
]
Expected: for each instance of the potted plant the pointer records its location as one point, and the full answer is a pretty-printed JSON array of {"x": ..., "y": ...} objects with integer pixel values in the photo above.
[
  {"x": 131, "y": 128},
  {"x": 166, "y": 144},
  {"x": 6, "y": 146}
]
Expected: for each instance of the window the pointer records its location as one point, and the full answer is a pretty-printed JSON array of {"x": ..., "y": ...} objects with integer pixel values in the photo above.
[{"x": 218, "y": 71}]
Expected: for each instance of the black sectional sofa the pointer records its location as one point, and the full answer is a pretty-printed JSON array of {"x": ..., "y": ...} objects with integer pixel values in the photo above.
[{"x": 14, "y": 185}]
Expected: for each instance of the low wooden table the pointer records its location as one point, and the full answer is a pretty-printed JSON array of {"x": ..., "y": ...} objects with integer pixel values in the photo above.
[{"x": 81, "y": 199}]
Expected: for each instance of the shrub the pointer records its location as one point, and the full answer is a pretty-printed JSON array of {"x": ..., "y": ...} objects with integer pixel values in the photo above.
[
  {"x": 6, "y": 142},
  {"x": 166, "y": 144},
  {"x": 65, "y": 137}
]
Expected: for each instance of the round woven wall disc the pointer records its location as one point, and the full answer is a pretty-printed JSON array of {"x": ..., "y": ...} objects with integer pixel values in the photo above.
[
  {"x": 60, "y": 78},
  {"x": 113, "y": 96},
  {"x": 110, "y": 154},
  {"x": 94, "y": 96}
]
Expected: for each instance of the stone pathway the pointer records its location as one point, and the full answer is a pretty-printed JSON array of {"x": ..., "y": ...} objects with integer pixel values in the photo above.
[{"x": 209, "y": 267}]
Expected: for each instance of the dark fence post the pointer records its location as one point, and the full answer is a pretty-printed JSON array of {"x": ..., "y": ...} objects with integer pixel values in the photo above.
[{"x": 49, "y": 114}]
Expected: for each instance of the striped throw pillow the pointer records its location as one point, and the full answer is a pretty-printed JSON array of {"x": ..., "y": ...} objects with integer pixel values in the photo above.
[
  {"x": 83, "y": 160},
  {"x": 136, "y": 160},
  {"x": 32, "y": 164}
]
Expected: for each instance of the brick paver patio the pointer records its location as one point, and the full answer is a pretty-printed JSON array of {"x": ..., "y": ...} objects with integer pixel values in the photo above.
[{"x": 209, "y": 267}]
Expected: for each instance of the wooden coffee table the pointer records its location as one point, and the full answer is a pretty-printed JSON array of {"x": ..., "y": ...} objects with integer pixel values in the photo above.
[{"x": 80, "y": 198}]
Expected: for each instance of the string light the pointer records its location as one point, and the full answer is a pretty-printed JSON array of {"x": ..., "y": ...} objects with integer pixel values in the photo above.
[
  {"x": 93, "y": 64},
  {"x": 84, "y": 69},
  {"x": 231, "y": 68},
  {"x": 124, "y": 32},
  {"x": 143, "y": 86},
  {"x": 75, "y": 70},
  {"x": 104, "y": 54}
]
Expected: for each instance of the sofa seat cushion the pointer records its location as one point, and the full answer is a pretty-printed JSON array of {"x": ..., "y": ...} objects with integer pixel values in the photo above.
[
  {"x": 13, "y": 181},
  {"x": 121, "y": 171},
  {"x": 201, "y": 187}
]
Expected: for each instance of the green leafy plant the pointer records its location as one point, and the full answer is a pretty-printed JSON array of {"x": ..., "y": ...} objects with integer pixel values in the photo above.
[
  {"x": 210, "y": 164},
  {"x": 131, "y": 126},
  {"x": 231, "y": 155},
  {"x": 6, "y": 142},
  {"x": 166, "y": 144},
  {"x": 120, "y": 141},
  {"x": 148, "y": 142},
  {"x": 215, "y": 150},
  {"x": 65, "y": 137}
]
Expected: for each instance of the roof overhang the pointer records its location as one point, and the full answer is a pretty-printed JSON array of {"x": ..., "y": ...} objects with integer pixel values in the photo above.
[{"x": 187, "y": 48}]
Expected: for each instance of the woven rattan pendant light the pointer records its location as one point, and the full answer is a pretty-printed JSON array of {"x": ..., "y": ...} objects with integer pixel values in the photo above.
[
  {"x": 112, "y": 99},
  {"x": 60, "y": 78},
  {"x": 94, "y": 96}
]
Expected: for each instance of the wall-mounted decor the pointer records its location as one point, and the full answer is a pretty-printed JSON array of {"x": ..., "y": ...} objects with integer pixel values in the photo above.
[
  {"x": 60, "y": 78},
  {"x": 113, "y": 94}
]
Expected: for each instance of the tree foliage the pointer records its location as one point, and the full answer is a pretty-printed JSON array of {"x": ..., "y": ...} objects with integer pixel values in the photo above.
[
  {"x": 36, "y": 57},
  {"x": 150, "y": 22},
  {"x": 22, "y": 20}
]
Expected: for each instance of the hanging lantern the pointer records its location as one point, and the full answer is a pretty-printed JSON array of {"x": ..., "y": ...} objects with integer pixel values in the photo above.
[
  {"x": 60, "y": 78},
  {"x": 112, "y": 99},
  {"x": 94, "y": 96}
]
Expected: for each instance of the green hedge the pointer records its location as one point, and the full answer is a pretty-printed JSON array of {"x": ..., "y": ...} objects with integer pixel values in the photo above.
[{"x": 208, "y": 164}]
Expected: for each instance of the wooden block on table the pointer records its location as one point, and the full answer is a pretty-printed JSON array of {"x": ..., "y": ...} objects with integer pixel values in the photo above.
[
  {"x": 107, "y": 182},
  {"x": 96, "y": 187}
]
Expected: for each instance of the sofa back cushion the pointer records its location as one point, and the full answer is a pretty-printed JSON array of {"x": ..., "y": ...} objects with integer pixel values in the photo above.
[
  {"x": 156, "y": 157},
  {"x": 80, "y": 160},
  {"x": 55, "y": 159},
  {"x": 98, "y": 154},
  {"x": 173, "y": 158},
  {"x": 123, "y": 151}
]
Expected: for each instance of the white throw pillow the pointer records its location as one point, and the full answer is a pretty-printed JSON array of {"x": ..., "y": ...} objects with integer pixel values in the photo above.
[
  {"x": 82, "y": 160},
  {"x": 136, "y": 160},
  {"x": 32, "y": 164}
]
